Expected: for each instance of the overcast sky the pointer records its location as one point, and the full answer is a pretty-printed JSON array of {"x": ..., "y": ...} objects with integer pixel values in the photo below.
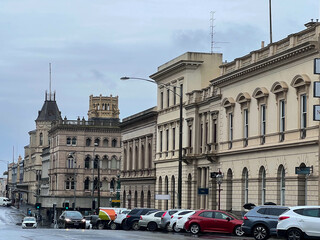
[{"x": 92, "y": 43}]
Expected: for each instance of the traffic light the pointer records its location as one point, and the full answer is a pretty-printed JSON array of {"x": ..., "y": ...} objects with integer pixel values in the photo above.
[
  {"x": 38, "y": 205},
  {"x": 66, "y": 206}
]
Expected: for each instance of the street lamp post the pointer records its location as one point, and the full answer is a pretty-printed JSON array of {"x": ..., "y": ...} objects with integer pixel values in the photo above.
[
  {"x": 180, "y": 134},
  {"x": 93, "y": 160},
  {"x": 72, "y": 155},
  {"x": 219, "y": 178}
]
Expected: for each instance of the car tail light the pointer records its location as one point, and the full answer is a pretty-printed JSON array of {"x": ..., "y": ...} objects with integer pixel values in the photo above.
[
  {"x": 172, "y": 216},
  {"x": 115, "y": 215},
  {"x": 163, "y": 214},
  {"x": 128, "y": 216},
  {"x": 179, "y": 217},
  {"x": 245, "y": 218},
  {"x": 283, "y": 218},
  {"x": 140, "y": 217}
]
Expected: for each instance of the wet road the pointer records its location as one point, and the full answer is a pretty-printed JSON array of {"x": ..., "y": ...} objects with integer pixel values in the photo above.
[{"x": 10, "y": 230}]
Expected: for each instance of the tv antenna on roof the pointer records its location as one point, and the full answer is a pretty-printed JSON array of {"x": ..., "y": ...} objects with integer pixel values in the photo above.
[{"x": 212, "y": 32}]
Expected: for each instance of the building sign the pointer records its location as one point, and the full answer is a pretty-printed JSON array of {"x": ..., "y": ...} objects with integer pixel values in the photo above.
[
  {"x": 316, "y": 112},
  {"x": 162, "y": 197},
  {"x": 316, "y": 66},
  {"x": 316, "y": 89},
  {"x": 203, "y": 191},
  {"x": 303, "y": 170}
]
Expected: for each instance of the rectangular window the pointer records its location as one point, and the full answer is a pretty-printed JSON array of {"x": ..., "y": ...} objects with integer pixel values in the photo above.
[
  {"x": 215, "y": 133},
  {"x": 168, "y": 97},
  {"x": 160, "y": 143},
  {"x": 230, "y": 129},
  {"x": 161, "y": 100},
  {"x": 303, "y": 111},
  {"x": 263, "y": 120},
  {"x": 201, "y": 137},
  {"x": 167, "y": 142},
  {"x": 173, "y": 140},
  {"x": 181, "y": 91},
  {"x": 206, "y": 134},
  {"x": 190, "y": 139},
  {"x": 282, "y": 119},
  {"x": 174, "y": 95},
  {"x": 245, "y": 127}
]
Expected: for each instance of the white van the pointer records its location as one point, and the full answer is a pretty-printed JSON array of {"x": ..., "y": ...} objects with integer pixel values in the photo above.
[{"x": 5, "y": 201}]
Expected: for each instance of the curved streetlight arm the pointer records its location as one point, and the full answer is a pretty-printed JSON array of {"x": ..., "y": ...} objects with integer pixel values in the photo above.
[{"x": 152, "y": 81}]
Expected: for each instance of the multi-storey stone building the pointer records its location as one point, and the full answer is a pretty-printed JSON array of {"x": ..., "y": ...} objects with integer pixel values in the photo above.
[
  {"x": 138, "y": 175},
  {"x": 81, "y": 152},
  {"x": 181, "y": 75}
]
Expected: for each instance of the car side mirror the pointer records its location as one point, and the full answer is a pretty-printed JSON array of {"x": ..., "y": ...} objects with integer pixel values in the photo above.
[{"x": 228, "y": 219}]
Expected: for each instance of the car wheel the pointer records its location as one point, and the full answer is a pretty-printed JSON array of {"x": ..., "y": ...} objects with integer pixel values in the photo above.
[
  {"x": 238, "y": 231},
  {"x": 167, "y": 227},
  {"x": 124, "y": 225},
  {"x": 113, "y": 226},
  {"x": 260, "y": 232},
  {"x": 100, "y": 225},
  {"x": 294, "y": 234},
  {"x": 135, "y": 225},
  {"x": 194, "y": 228},
  {"x": 174, "y": 227},
  {"x": 152, "y": 226}
]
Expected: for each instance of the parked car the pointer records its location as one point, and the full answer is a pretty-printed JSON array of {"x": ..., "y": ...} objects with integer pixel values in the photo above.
[
  {"x": 119, "y": 219},
  {"x": 165, "y": 219},
  {"x": 71, "y": 219},
  {"x": 181, "y": 221},
  {"x": 261, "y": 221},
  {"x": 214, "y": 221},
  {"x": 174, "y": 219},
  {"x": 300, "y": 222},
  {"x": 133, "y": 217},
  {"x": 88, "y": 220},
  {"x": 6, "y": 202},
  {"x": 151, "y": 220},
  {"x": 29, "y": 222}
]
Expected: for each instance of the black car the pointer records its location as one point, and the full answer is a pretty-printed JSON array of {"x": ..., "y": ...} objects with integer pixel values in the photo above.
[
  {"x": 70, "y": 219},
  {"x": 133, "y": 217},
  {"x": 261, "y": 222}
]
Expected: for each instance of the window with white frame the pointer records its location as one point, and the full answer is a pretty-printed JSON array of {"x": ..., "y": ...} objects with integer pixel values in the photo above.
[
  {"x": 282, "y": 186},
  {"x": 70, "y": 183},
  {"x": 303, "y": 111},
  {"x": 246, "y": 185},
  {"x": 167, "y": 142},
  {"x": 263, "y": 120},
  {"x": 282, "y": 118},
  {"x": 70, "y": 162},
  {"x": 263, "y": 186},
  {"x": 160, "y": 143},
  {"x": 173, "y": 140},
  {"x": 230, "y": 128},
  {"x": 245, "y": 126}
]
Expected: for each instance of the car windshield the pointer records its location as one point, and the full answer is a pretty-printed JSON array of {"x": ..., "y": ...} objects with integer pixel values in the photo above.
[
  {"x": 74, "y": 214},
  {"x": 29, "y": 219}
]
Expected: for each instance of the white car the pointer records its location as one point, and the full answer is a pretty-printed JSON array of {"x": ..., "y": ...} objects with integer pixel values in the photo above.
[
  {"x": 118, "y": 221},
  {"x": 299, "y": 223},
  {"x": 182, "y": 220},
  {"x": 151, "y": 220},
  {"x": 174, "y": 218},
  {"x": 29, "y": 222}
]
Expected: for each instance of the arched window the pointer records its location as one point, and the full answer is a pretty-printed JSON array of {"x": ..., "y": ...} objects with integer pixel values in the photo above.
[
  {"x": 105, "y": 161},
  {"x": 262, "y": 186},
  {"x": 74, "y": 141},
  {"x": 105, "y": 142},
  {"x": 114, "y": 162},
  {"x": 229, "y": 189},
  {"x": 160, "y": 192},
  {"x": 86, "y": 183},
  {"x": 70, "y": 183},
  {"x": 142, "y": 199},
  {"x": 173, "y": 191},
  {"x": 142, "y": 157},
  {"x": 281, "y": 184},
  {"x": 88, "y": 142},
  {"x": 136, "y": 164},
  {"x": 129, "y": 199},
  {"x": 95, "y": 183},
  {"x": 189, "y": 191},
  {"x": 130, "y": 159},
  {"x": 70, "y": 162},
  {"x": 114, "y": 143},
  {"x": 135, "y": 199},
  {"x": 149, "y": 199},
  {"x": 166, "y": 186},
  {"x": 302, "y": 186},
  {"x": 40, "y": 139},
  {"x": 96, "y": 162},
  {"x": 68, "y": 141},
  {"x": 112, "y": 185},
  {"x": 124, "y": 197},
  {"x": 87, "y": 162},
  {"x": 97, "y": 142},
  {"x": 245, "y": 186}
]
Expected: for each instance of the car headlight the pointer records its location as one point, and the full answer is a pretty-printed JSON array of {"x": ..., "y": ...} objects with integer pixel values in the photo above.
[
  {"x": 68, "y": 220},
  {"x": 83, "y": 220}
]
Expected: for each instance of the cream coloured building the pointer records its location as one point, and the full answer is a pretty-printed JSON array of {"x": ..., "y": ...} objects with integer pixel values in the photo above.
[
  {"x": 138, "y": 175},
  {"x": 255, "y": 124},
  {"x": 181, "y": 75}
]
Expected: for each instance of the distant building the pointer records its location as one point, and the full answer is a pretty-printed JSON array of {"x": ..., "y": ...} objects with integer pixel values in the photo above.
[{"x": 138, "y": 175}]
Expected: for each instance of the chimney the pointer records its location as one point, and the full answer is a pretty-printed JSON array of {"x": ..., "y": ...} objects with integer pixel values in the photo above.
[{"x": 262, "y": 44}]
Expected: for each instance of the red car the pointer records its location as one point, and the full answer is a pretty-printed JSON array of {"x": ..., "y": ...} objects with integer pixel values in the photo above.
[{"x": 214, "y": 221}]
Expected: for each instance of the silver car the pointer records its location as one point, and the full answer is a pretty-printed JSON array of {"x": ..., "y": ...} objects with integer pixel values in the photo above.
[
  {"x": 151, "y": 221},
  {"x": 175, "y": 217},
  {"x": 165, "y": 218}
]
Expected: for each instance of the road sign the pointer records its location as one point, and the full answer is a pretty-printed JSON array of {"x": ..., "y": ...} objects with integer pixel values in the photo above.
[
  {"x": 203, "y": 191},
  {"x": 316, "y": 112},
  {"x": 115, "y": 200},
  {"x": 162, "y": 197},
  {"x": 316, "y": 65},
  {"x": 303, "y": 170}
]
